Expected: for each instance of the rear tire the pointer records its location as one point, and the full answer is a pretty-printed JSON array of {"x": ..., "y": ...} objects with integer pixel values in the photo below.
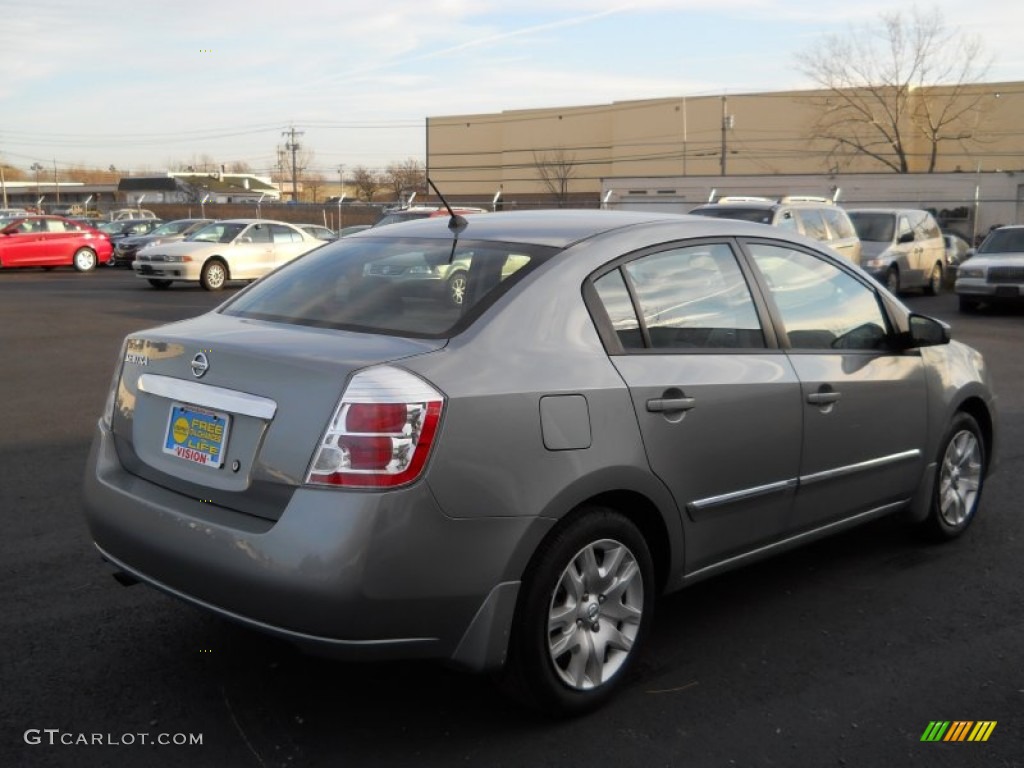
[
  {"x": 160, "y": 285},
  {"x": 214, "y": 275},
  {"x": 84, "y": 259},
  {"x": 934, "y": 285},
  {"x": 456, "y": 289},
  {"x": 959, "y": 478},
  {"x": 584, "y": 611}
]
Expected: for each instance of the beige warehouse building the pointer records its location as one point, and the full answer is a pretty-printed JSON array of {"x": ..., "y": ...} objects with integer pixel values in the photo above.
[{"x": 677, "y": 150}]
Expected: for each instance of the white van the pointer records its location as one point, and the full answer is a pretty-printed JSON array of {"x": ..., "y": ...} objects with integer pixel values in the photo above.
[{"x": 901, "y": 247}]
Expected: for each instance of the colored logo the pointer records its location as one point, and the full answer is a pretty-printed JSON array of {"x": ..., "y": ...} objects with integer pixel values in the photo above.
[
  {"x": 181, "y": 429},
  {"x": 958, "y": 730}
]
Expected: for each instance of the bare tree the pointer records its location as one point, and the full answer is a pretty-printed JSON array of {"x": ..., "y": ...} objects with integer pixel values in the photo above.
[
  {"x": 11, "y": 173},
  {"x": 312, "y": 182},
  {"x": 555, "y": 170},
  {"x": 366, "y": 182},
  {"x": 895, "y": 85},
  {"x": 407, "y": 176}
]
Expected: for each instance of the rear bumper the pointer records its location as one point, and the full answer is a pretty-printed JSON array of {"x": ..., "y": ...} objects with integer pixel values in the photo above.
[{"x": 350, "y": 575}]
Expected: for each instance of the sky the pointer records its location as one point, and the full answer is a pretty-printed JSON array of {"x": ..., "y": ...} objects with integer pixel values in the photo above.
[{"x": 141, "y": 85}]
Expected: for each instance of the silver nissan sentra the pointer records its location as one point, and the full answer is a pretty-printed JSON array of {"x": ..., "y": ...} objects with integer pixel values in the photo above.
[{"x": 619, "y": 404}]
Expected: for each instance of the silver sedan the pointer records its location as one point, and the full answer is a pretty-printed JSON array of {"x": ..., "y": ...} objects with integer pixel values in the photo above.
[
  {"x": 621, "y": 404},
  {"x": 233, "y": 249}
]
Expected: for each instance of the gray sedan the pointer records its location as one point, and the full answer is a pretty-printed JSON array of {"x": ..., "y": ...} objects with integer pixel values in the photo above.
[{"x": 621, "y": 405}]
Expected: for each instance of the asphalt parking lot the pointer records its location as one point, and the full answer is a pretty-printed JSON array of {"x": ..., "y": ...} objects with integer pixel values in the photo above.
[{"x": 839, "y": 654}]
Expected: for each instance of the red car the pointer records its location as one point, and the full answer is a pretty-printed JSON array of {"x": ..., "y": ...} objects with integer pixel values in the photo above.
[{"x": 52, "y": 241}]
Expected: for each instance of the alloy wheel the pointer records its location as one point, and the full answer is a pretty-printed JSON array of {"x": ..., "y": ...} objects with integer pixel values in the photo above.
[
  {"x": 595, "y": 614},
  {"x": 960, "y": 478}
]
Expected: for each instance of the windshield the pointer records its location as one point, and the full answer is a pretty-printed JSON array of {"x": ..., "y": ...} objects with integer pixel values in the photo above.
[
  {"x": 874, "y": 227},
  {"x": 398, "y": 286},
  {"x": 218, "y": 232},
  {"x": 757, "y": 215},
  {"x": 1003, "y": 241},
  {"x": 171, "y": 228}
]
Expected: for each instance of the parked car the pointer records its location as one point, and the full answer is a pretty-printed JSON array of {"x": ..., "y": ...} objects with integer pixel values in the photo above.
[
  {"x": 131, "y": 213},
  {"x": 901, "y": 247},
  {"x": 11, "y": 213},
  {"x": 122, "y": 228},
  {"x": 233, "y": 249},
  {"x": 422, "y": 212},
  {"x": 351, "y": 230},
  {"x": 320, "y": 232},
  {"x": 995, "y": 273},
  {"x": 957, "y": 251},
  {"x": 815, "y": 217},
  {"x": 167, "y": 232},
  {"x": 92, "y": 222},
  {"x": 51, "y": 241},
  {"x": 641, "y": 401}
]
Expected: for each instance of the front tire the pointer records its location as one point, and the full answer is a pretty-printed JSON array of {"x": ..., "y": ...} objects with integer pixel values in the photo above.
[
  {"x": 968, "y": 304},
  {"x": 214, "y": 275},
  {"x": 959, "y": 478},
  {"x": 584, "y": 611},
  {"x": 84, "y": 259},
  {"x": 892, "y": 281}
]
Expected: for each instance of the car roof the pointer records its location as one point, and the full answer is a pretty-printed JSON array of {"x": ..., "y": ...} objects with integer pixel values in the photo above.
[
  {"x": 253, "y": 221},
  {"x": 558, "y": 228}
]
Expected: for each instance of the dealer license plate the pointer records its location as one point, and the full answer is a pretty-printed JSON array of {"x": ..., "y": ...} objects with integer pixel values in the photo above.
[{"x": 197, "y": 435}]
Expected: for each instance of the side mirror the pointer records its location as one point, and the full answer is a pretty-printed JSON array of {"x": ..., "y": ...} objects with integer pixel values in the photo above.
[
  {"x": 924, "y": 331},
  {"x": 245, "y": 239},
  {"x": 906, "y": 237}
]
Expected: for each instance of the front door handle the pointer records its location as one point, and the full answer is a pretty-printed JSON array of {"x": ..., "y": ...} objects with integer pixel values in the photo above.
[
  {"x": 824, "y": 398},
  {"x": 670, "y": 404}
]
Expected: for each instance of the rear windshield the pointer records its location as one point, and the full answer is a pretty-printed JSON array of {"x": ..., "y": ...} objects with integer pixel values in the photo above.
[
  {"x": 757, "y": 215},
  {"x": 874, "y": 227},
  {"x": 397, "y": 286}
]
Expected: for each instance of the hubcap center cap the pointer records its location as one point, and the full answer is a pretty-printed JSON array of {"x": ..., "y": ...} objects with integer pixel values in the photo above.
[{"x": 591, "y": 611}]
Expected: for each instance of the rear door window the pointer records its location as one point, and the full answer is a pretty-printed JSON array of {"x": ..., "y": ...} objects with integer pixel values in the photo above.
[
  {"x": 690, "y": 297},
  {"x": 814, "y": 224}
]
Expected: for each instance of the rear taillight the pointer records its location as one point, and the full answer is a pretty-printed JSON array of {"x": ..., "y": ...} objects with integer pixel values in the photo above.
[
  {"x": 108, "y": 407},
  {"x": 381, "y": 433}
]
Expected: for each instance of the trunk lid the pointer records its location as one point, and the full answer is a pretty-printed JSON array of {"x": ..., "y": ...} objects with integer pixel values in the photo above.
[{"x": 230, "y": 410}]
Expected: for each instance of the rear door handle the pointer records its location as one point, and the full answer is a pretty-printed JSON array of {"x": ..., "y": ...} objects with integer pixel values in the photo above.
[{"x": 670, "y": 404}]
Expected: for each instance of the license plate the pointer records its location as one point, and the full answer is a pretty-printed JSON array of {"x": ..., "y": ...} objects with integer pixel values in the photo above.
[
  {"x": 145, "y": 269},
  {"x": 197, "y": 435}
]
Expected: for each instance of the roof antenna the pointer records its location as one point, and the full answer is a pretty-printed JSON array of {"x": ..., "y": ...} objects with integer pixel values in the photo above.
[{"x": 456, "y": 223}]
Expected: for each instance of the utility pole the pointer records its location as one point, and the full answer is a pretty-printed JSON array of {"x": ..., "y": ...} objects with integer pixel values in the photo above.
[
  {"x": 293, "y": 146},
  {"x": 56, "y": 184},
  {"x": 727, "y": 123}
]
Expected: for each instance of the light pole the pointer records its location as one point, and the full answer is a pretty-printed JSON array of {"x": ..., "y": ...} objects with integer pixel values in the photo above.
[
  {"x": 37, "y": 168},
  {"x": 56, "y": 184},
  {"x": 341, "y": 192}
]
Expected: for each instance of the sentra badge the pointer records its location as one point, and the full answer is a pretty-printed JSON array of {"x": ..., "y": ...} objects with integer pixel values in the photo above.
[{"x": 134, "y": 353}]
